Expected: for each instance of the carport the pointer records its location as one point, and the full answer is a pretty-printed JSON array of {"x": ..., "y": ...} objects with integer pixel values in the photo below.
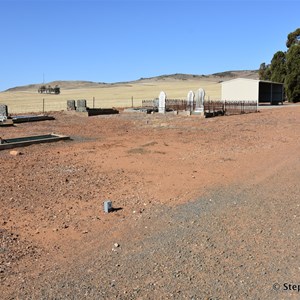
[
  {"x": 270, "y": 92},
  {"x": 244, "y": 89}
]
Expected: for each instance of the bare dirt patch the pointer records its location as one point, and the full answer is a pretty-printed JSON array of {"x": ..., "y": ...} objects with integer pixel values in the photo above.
[{"x": 207, "y": 208}]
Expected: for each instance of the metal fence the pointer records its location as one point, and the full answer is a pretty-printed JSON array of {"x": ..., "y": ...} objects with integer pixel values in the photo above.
[
  {"x": 214, "y": 108},
  {"x": 229, "y": 107},
  {"x": 211, "y": 107},
  {"x": 177, "y": 104},
  {"x": 171, "y": 104},
  {"x": 240, "y": 107}
]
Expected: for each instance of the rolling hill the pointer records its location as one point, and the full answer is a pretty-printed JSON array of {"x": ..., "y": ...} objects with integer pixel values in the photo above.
[
  {"x": 64, "y": 84},
  {"x": 25, "y": 99}
]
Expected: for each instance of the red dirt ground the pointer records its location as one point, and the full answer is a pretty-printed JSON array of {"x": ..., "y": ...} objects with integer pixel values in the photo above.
[{"x": 208, "y": 208}]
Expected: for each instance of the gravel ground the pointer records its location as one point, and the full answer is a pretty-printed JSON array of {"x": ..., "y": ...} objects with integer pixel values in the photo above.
[{"x": 209, "y": 209}]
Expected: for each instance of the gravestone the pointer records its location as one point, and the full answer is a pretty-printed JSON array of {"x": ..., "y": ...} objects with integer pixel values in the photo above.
[
  {"x": 199, "y": 99},
  {"x": 71, "y": 105},
  {"x": 162, "y": 102},
  {"x": 81, "y": 105},
  {"x": 3, "y": 111},
  {"x": 190, "y": 100}
]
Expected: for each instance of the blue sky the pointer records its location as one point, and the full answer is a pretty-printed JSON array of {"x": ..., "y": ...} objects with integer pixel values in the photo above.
[{"x": 111, "y": 41}]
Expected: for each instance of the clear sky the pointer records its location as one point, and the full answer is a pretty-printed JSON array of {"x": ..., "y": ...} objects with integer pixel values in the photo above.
[{"x": 111, "y": 41}]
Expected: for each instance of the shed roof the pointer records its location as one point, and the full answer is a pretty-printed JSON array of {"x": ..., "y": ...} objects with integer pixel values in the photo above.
[{"x": 250, "y": 80}]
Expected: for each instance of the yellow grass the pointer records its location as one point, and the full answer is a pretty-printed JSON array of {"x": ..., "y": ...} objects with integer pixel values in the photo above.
[{"x": 117, "y": 95}]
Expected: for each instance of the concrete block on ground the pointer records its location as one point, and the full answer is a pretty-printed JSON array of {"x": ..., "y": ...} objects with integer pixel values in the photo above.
[{"x": 107, "y": 206}]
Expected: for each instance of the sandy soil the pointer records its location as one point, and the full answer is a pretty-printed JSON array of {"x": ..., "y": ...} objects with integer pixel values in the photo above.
[{"x": 205, "y": 208}]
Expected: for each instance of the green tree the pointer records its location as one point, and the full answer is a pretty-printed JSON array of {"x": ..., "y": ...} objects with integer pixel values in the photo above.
[
  {"x": 292, "y": 79},
  {"x": 285, "y": 67},
  {"x": 264, "y": 72},
  {"x": 278, "y": 67},
  {"x": 293, "y": 38}
]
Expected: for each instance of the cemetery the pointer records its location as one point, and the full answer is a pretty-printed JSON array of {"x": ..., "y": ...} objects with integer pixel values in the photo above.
[
  {"x": 195, "y": 104},
  {"x": 177, "y": 186},
  {"x": 10, "y": 120},
  {"x": 116, "y": 194}
]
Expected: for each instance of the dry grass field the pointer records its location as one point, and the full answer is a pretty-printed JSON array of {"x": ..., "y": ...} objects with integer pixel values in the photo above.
[{"x": 26, "y": 99}]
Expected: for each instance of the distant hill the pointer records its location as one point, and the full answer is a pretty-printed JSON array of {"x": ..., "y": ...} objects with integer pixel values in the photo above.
[
  {"x": 251, "y": 74},
  {"x": 77, "y": 84},
  {"x": 71, "y": 84}
]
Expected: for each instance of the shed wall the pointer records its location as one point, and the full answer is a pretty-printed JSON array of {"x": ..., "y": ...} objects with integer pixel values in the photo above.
[{"x": 240, "y": 89}]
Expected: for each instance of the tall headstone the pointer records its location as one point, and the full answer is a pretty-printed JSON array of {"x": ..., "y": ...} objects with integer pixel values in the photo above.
[
  {"x": 3, "y": 111},
  {"x": 190, "y": 100},
  {"x": 162, "y": 102},
  {"x": 199, "y": 99}
]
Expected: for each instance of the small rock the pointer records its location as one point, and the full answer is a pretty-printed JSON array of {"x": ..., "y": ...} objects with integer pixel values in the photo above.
[
  {"x": 116, "y": 245},
  {"x": 15, "y": 152}
]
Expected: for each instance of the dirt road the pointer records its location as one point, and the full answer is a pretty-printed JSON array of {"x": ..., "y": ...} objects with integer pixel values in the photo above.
[{"x": 208, "y": 208}]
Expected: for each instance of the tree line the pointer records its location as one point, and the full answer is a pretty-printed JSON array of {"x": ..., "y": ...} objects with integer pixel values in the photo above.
[{"x": 285, "y": 67}]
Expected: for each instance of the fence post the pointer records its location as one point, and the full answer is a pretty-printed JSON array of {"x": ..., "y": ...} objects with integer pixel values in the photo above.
[
  {"x": 93, "y": 102},
  {"x": 131, "y": 101},
  {"x": 43, "y": 105}
]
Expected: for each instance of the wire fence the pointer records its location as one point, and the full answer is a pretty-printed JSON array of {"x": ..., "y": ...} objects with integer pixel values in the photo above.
[
  {"x": 211, "y": 107},
  {"x": 46, "y": 105}
]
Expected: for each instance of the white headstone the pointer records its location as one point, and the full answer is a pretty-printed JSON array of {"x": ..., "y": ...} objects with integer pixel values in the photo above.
[
  {"x": 162, "y": 102},
  {"x": 190, "y": 100},
  {"x": 200, "y": 94}
]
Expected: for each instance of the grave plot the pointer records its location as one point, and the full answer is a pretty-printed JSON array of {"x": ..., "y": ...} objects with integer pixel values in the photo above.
[
  {"x": 31, "y": 118},
  {"x": 81, "y": 107},
  {"x": 29, "y": 140}
]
